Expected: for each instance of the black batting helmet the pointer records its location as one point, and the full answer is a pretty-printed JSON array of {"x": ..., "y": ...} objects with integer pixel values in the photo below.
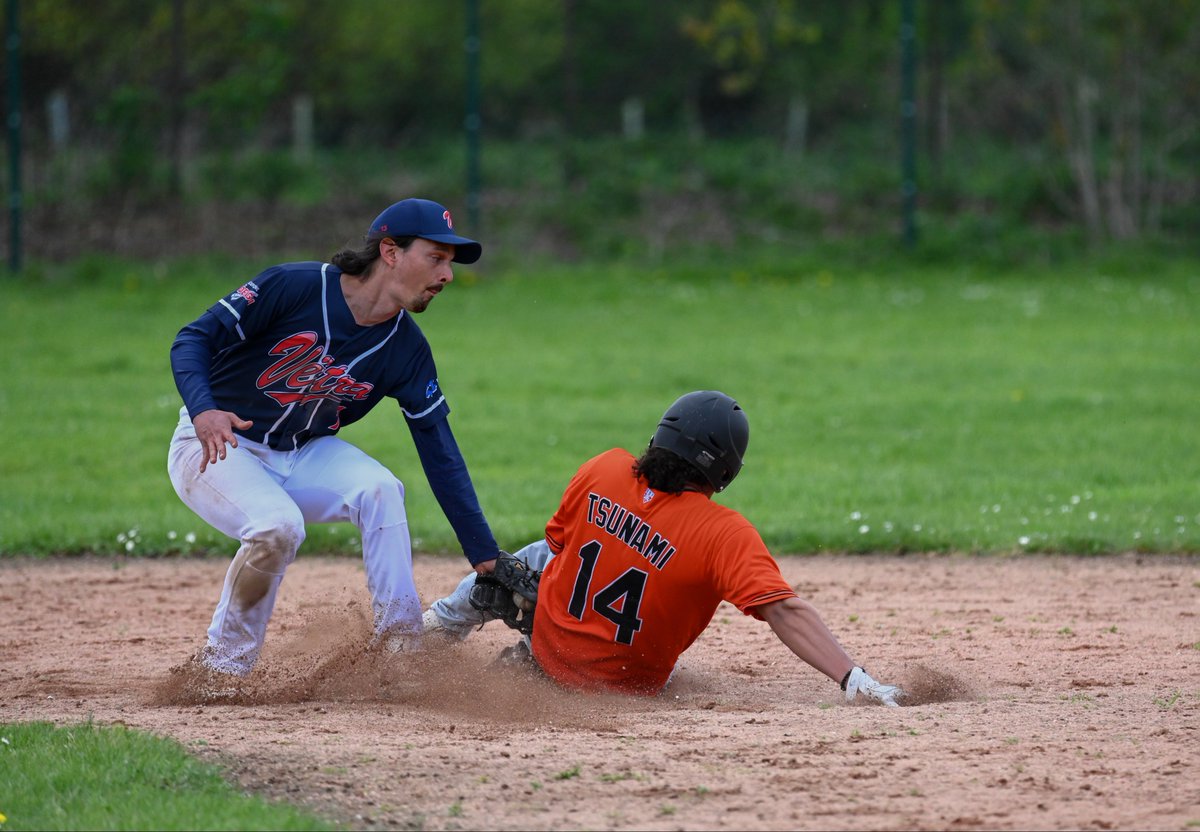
[{"x": 709, "y": 430}]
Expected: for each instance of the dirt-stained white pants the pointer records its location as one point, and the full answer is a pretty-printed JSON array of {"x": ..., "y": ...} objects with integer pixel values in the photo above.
[{"x": 263, "y": 498}]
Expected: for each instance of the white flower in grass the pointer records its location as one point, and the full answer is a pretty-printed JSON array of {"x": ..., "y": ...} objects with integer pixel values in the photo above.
[
  {"x": 864, "y": 528},
  {"x": 190, "y": 537},
  {"x": 1023, "y": 540},
  {"x": 172, "y": 534}
]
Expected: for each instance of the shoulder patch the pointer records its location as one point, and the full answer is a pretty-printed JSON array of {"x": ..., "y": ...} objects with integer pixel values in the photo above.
[{"x": 248, "y": 291}]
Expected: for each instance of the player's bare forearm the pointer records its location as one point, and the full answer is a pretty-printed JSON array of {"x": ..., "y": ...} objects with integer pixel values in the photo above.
[
  {"x": 214, "y": 429},
  {"x": 798, "y": 625}
]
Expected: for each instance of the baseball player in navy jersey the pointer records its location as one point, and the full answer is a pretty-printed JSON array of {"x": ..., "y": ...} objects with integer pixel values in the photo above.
[{"x": 268, "y": 376}]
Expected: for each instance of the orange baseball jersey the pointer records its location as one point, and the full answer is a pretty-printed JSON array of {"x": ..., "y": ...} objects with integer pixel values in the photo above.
[{"x": 637, "y": 576}]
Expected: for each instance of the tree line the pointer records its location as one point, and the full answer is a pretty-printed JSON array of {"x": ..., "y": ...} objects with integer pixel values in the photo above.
[{"x": 1104, "y": 93}]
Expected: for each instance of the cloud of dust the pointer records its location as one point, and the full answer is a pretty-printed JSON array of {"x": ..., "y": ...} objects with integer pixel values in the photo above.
[
  {"x": 331, "y": 659},
  {"x": 923, "y": 685}
]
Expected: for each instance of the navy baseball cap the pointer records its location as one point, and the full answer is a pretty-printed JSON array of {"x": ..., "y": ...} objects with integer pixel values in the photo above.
[{"x": 425, "y": 219}]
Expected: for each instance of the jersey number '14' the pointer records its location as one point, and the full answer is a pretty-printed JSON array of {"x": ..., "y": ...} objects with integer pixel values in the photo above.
[{"x": 618, "y": 602}]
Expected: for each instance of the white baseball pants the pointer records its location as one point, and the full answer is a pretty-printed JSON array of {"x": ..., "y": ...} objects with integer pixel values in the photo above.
[{"x": 263, "y": 498}]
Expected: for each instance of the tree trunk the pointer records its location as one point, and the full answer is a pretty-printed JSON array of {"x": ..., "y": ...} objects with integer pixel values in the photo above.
[
  {"x": 795, "y": 136},
  {"x": 570, "y": 93},
  {"x": 936, "y": 125},
  {"x": 1079, "y": 125}
]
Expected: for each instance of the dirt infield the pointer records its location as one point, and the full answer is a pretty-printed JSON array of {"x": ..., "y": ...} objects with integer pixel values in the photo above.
[{"x": 1055, "y": 694}]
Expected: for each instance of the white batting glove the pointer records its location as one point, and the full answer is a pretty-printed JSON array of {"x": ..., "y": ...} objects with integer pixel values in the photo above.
[{"x": 859, "y": 681}]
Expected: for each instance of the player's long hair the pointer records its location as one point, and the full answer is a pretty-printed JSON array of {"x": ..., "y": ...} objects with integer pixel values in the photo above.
[
  {"x": 664, "y": 470},
  {"x": 358, "y": 261}
]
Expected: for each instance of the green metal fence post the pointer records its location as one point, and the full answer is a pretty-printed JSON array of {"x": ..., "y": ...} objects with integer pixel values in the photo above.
[
  {"x": 908, "y": 119},
  {"x": 12, "y": 45},
  {"x": 473, "y": 122}
]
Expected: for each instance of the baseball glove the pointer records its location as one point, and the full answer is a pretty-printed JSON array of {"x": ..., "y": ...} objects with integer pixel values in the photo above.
[{"x": 509, "y": 593}]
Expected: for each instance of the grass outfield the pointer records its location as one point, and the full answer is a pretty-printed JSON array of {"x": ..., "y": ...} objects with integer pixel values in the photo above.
[
  {"x": 92, "y": 777},
  {"x": 893, "y": 408}
]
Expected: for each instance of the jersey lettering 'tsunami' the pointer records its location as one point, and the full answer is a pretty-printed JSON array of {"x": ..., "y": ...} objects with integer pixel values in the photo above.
[
  {"x": 630, "y": 529},
  {"x": 308, "y": 375}
]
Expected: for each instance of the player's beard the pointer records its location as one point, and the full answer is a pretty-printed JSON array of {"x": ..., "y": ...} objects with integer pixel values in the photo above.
[{"x": 422, "y": 301}]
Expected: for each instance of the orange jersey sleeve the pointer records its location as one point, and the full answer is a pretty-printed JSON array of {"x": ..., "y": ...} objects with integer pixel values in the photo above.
[{"x": 637, "y": 576}]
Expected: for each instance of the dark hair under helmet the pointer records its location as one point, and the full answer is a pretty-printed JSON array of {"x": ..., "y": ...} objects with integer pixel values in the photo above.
[{"x": 709, "y": 430}]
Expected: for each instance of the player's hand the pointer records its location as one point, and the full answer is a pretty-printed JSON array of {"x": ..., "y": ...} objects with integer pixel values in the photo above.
[
  {"x": 860, "y": 681},
  {"x": 214, "y": 429},
  {"x": 487, "y": 567}
]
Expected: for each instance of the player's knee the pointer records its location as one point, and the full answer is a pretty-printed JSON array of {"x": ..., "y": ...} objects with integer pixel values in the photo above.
[
  {"x": 384, "y": 488},
  {"x": 381, "y": 502},
  {"x": 273, "y": 547}
]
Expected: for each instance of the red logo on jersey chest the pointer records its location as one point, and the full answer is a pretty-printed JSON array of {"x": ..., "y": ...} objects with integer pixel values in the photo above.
[{"x": 307, "y": 375}]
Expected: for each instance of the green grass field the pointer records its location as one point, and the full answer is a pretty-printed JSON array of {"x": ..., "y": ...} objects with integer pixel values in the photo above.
[
  {"x": 93, "y": 777},
  {"x": 893, "y": 407}
]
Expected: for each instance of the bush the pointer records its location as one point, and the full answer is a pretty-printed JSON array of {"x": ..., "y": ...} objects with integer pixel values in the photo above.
[{"x": 600, "y": 198}]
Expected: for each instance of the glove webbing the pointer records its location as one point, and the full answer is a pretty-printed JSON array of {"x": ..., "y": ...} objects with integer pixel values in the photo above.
[{"x": 508, "y": 593}]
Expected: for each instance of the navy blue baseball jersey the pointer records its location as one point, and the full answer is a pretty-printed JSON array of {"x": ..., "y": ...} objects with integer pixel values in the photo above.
[
  {"x": 289, "y": 356},
  {"x": 285, "y": 352}
]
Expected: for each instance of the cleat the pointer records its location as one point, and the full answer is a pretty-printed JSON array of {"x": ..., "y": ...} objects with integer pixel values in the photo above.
[
  {"x": 208, "y": 686},
  {"x": 397, "y": 643},
  {"x": 518, "y": 657},
  {"x": 436, "y": 630}
]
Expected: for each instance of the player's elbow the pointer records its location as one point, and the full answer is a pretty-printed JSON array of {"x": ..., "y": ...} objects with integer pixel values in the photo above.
[
  {"x": 783, "y": 608},
  {"x": 791, "y": 615}
]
